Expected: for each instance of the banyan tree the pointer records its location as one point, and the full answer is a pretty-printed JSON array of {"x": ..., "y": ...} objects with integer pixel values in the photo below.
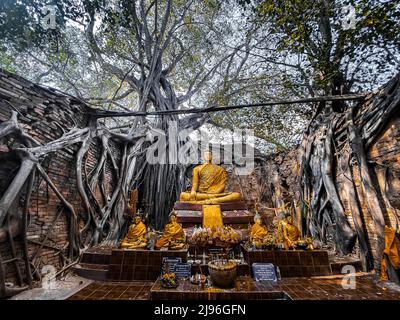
[{"x": 69, "y": 160}]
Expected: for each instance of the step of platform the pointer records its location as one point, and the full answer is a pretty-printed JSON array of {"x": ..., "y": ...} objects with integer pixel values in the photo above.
[
  {"x": 94, "y": 264},
  {"x": 96, "y": 257},
  {"x": 337, "y": 266},
  {"x": 91, "y": 271}
]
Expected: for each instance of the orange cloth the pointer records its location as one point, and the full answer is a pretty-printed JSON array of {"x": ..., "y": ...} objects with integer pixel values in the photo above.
[
  {"x": 392, "y": 251},
  {"x": 211, "y": 178},
  {"x": 208, "y": 183},
  {"x": 291, "y": 234},
  {"x": 279, "y": 231},
  {"x": 258, "y": 232},
  {"x": 136, "y": 236},
  {"x": 212, "y": 217},
  {"x": 173, "y": 232}
]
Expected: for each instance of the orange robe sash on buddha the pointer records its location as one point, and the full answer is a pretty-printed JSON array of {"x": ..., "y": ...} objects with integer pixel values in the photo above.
[
  {"x": 258, "y": 232},
  {"x": 172, "y": 231},
  {"x": 212, "y": 177},
  {"x": 136, "y": 231}
]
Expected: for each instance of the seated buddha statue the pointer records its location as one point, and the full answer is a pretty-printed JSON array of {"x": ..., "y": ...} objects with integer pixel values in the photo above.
[
  {"x": 136, "y": 236},
  {"x": 208, "y": 184},
  {"x": 173, "y": 236},
  {"x": 279, "y": 226},
  {"x": 258, "y": 232},
  {"x": 291, "y": 234}
]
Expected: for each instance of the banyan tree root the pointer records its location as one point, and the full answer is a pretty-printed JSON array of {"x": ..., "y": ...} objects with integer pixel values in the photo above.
[
  {"x": 359, "y": 224},
  {"x": 345, "y": 235},
  {"x": 367, "y": 185},
  {"x": 339, "y": 141},
  {"x": 317, "y": 168},
  {"x": 101, "y": 222},
  {"x": 6, "y": 291},
  {"x": 12, "y": 229}
]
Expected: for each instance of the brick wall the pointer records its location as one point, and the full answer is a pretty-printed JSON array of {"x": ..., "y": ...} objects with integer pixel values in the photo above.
[
  {"x": 273, "y": 183},
  {"x": 38, "y": 110}
]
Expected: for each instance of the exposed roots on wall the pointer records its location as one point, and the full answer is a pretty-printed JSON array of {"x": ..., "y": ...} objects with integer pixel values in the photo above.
[
  {"x": 337, "y": 144},
  {"x": 103, "y": 221}
]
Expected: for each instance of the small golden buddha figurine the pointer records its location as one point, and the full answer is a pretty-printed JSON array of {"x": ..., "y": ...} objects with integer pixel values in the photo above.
[
  {"x": 208, "y": 184},
  {"x": 133, "y": 200},
  {"x": 136, "y": 236},
  {"x": 173, "y": 236},
  {"x": 291, "y": 234},
  {"x": 258, "y": 232},
  {"x": 279, "y": 227}
]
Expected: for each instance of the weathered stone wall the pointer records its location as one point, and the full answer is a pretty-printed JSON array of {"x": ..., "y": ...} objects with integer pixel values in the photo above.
[
  {"x": 46, "y": 115},
  {"x": 271, "y": 187}
]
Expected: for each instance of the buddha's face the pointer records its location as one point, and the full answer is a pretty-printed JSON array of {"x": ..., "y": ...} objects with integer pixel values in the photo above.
[
  {"x": 289, "y": 219},
  {"x": 137, "y": 219},
  {"x": 257, "y": 221},
  {"x": 172, "y": 218},
  {"x": 208, "y": 156}
]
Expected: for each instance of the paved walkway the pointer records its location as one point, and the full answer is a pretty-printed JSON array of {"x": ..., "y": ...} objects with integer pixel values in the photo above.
[
  {"x": 137, "y": 290},
  {"x": 367, "y": 287},
  {"x": 62, "y": 289}
]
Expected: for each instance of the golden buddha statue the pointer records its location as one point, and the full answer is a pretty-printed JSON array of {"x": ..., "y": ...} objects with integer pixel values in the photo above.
[
  {"x": 173, "y": 236},
  {"x": 258, "y": 232},
  {"x": 291, "y": 234},
  {"x": 279, "y": 227},
  {"x": 136, "y": 236},
  {"x": 208, "y": 184}
]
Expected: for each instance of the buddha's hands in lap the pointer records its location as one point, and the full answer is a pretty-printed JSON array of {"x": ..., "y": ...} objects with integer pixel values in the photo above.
[{"x": 193, "y": 196}]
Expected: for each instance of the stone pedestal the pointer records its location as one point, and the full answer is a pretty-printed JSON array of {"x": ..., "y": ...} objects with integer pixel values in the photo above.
[{"x": 234, "y": 214}]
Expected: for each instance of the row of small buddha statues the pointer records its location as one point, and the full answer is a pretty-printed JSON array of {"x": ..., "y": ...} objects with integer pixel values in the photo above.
[
  {"x": 173, "y": 236},
  {"x": 140, "y": 237},
  {"x": 285, "y": 234}
]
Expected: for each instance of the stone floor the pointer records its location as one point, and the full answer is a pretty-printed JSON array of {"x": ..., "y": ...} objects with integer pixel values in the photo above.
[
  {"x": 61, "y": 289},
  {"x": 136, "y": 290},
  {"x": 330, "y": 288},
  {"x": 316, "y": 288}
]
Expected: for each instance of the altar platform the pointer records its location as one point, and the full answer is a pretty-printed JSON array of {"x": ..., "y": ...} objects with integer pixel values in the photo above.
[
  {"x": 245, "y": 288},
  {"x": 112, "y": 264},
  {"x": 128, "y": 265},
  {"x": 292, "y": 263}
]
